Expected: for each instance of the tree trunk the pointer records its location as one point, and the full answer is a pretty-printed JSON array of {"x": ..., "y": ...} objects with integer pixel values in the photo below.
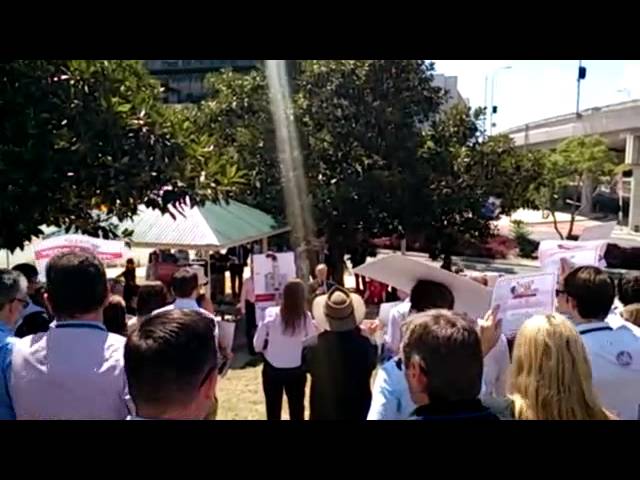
[
  {"x": 555, "y": 225},
  {"x": 586, "y": 197},
  {"x": 335, "y": 264}
]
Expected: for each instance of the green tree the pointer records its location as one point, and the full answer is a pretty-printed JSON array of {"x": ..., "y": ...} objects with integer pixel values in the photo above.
[
  {"x": 576, "y": 161},
  {"x": 380, "y": 154},
  {"x": 88, "y": 141}
]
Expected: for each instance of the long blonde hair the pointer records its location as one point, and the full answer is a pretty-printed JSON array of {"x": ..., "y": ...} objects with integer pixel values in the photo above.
[{"x": 551, "y": 373}]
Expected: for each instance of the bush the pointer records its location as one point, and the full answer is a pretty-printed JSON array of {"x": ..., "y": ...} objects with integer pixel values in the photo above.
[{"x": 527, "y": 247}]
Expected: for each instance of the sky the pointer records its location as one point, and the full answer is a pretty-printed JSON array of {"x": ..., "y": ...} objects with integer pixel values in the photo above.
[{"x": 536, "y": 89}]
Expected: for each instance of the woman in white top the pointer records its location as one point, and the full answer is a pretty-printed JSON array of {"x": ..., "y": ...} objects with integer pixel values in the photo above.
[{"x": 280, "y": 337}]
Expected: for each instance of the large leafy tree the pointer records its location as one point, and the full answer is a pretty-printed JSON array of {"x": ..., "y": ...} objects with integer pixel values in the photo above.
[
  {"x": 84, "y": 142},
  {"x": 381, "y": 155},
  {"x": 576, "y": 162}
]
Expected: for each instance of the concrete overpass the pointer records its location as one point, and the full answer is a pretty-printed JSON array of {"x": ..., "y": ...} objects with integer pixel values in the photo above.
[{"x": 619, "y": 124}]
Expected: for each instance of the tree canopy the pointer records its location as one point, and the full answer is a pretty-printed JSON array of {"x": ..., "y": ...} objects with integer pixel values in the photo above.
[
  {"x": 575, "y": 161},
  {"x": 88, "y": 141},
  {"x": 381, "y": 154}
]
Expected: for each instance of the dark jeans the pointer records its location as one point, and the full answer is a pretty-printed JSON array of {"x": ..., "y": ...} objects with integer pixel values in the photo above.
[
  {"x": 235, "y": 272},
  {"x": 250, "y": 325},
  {"x": 290, "y": 380}
]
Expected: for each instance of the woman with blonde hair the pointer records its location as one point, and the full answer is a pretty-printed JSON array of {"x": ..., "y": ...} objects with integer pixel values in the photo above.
[{"x": 551, "y": 374}]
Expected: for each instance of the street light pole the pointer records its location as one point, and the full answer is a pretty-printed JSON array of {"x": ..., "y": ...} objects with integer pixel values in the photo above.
[{"x": 493, "y": 88}]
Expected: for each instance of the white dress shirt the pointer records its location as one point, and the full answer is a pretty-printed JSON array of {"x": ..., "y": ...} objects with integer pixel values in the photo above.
[
  {"x": 495, "y": 369},
  {"x": 75, "y": 371},
  {"x": 615, "y": 365},
  {"x": 393, "y": 335},
  {"x": 184, "y": 304},
  {"x": 390, "y": 397},
  {"x": 283, "y": 349}
]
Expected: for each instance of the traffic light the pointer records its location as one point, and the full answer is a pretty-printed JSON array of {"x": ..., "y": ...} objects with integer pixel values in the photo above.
[
  {"x": 582, "y": 73},
  {"x": 494, "y": 109}
]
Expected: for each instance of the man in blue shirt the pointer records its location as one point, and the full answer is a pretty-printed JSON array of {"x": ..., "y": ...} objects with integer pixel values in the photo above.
[{"x": 13, "y": 298}]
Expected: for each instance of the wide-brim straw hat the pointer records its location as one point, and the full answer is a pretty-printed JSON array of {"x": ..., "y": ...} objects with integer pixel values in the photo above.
[{"x": 339, "y": 310}]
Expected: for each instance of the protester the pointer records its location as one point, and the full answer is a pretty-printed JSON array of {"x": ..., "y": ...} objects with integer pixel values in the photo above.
[
  {"x": 358, "y": 256},
  {"x": 13, "y": 300},
  {"x": 375, "y": 292},
  {"x": 34, "y": 318},
  {"x": 151, "y": 271},
  {"x": 631, "y": 314},
  {"x": 152, "y": 296},
  {"x": 321, "y": 284},
  {"x": 551, "y": 375},
  {"x": 442, "y": 355},
  {"x": 248, "y": 309},
  {"x": 116, "y": 286},
  {"x": 185, "y": 285},
  {"x": 342, "y": 360},
  {"x": 114, "y": 316},
  {"x": 130, "y": 285},
  {"x": 172, "y": 367},
  {"x": 280, "y": 338},
  {"x": 237, "y": 262},
  {"x": 629, "y": 289},
  {"x": 76, "y": 369},
  {"x": 614, "y": 353},
  {"x": 218, "y": 265}
]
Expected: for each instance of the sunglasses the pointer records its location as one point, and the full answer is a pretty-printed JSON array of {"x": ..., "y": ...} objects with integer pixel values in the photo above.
[
  {"x": 207, "y": 375},
  {"x": 560, "y": 292},
  {"x": 21, "y": 300}
]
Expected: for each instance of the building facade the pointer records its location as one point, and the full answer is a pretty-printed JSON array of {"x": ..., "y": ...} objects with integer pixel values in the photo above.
[{"x": 183, "y": 80}]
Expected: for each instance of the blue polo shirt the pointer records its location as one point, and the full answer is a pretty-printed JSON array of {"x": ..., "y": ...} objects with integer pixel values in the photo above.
[{"x": 6, "y": 346}]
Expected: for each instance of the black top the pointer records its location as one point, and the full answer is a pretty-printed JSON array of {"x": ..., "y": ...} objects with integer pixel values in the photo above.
[
  {"x": 340, "y": 365},
  {"x": 238, "y": 255},
  {"x": 34, "y": 322},
  {"x": 218, "y": 263},
  {"x": 463, "y": 410}
]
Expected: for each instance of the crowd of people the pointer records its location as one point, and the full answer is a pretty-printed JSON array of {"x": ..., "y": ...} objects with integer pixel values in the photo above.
[{"x": 75, "y": 349}]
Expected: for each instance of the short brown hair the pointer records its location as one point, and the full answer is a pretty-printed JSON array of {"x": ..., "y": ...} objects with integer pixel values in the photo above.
[
  {"x": 76, "y": 284},
  {"x": 427, "y": 294},
  {"x": 168, "y": 357},
  {"x": 184, "y": 282},
  {"x": 151, "y": 297},
  {"x": 592, "y": 290},
  {"x": 449, "y": 349}
]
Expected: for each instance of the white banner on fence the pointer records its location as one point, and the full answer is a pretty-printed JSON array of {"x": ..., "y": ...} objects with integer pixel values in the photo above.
[
  {"x": 105, "y": 250},
  {"x": 271, "y": 272},
  {"x": 522, "y": 296}
]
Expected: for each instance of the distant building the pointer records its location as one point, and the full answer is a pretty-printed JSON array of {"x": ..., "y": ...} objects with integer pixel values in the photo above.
[
  {"x": 450, "y": 85},
  {"x": 183, "y": 80}
]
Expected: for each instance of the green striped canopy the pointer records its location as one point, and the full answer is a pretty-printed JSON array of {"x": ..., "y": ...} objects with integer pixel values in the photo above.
[{"x": 212, "y": 226}]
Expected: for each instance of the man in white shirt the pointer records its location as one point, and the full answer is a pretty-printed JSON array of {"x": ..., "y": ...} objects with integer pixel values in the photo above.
[
  {"x": 614, "y": 352},
  {"x": 75, "y": 371},
  {"x": 171, "y": 367}
]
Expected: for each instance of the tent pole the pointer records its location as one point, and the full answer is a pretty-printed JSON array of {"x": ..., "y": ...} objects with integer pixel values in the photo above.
[
  {"x": 208, "y": 289},
  {"x": 265, "y": 245}
]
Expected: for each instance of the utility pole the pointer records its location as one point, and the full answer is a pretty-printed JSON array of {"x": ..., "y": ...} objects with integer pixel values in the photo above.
[{"x": 582, "y": 74}]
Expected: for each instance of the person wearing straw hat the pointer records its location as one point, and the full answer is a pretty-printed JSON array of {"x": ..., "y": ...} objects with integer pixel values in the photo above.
[{"x": 342, "y": 360}]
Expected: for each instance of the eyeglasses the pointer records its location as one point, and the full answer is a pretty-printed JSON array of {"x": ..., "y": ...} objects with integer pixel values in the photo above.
[
  {"x": 560, "y": 292},
  {"x": 207, "y": 375},
  {"x": 22, "y": 301}
]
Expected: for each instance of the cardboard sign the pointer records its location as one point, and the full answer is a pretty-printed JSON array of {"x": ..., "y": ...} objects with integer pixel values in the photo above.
[
  {"x": 577, "y": 253},
  {"x": 403, "y": 272},
  {"x": 598, "y": 232},
  {"x": 522, "y": 296},
  {"x": 271, "y": 272}
]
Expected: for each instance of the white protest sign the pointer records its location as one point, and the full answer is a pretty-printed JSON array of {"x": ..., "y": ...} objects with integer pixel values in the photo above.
[
  {"x": 271, "y": 272},
  {"x": 522, "y": 296},
  {"x": 598, "y": 232},
  {"x": 578, "y": 253}
]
